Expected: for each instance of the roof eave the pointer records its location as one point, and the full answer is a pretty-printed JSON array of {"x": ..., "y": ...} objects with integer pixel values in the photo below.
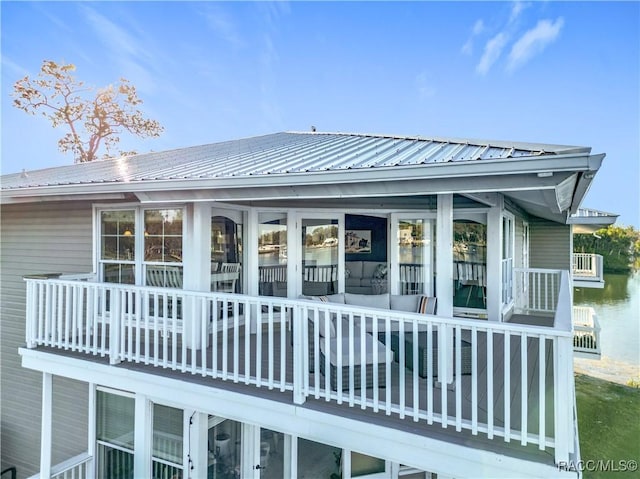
[{"x": 539, "y": 165}]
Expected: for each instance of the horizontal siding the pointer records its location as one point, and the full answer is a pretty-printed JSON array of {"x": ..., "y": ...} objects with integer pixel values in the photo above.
[
  {"x": 550, "y": 245},
  {"x": 38, "y": 238}
]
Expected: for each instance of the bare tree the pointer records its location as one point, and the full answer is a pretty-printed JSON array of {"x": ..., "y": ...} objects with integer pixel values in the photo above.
[{"x": 95, "y": 117}]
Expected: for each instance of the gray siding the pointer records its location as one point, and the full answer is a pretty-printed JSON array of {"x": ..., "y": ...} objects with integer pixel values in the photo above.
[
  {"x": 38, "y": 238},
  {"x": 550, "y": 245}
]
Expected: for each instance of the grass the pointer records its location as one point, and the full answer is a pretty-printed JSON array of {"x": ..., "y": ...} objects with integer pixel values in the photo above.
[{"x": 609, "y": 426}]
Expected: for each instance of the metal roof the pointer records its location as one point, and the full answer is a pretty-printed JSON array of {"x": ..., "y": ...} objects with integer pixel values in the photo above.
[{"x": 282, "y": 154}]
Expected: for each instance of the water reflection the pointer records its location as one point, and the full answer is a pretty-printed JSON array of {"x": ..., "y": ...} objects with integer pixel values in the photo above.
[{"x": 616, "y": 289}]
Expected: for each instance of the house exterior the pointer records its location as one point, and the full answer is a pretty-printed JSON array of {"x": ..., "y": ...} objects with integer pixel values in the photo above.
[{"x": 294, "y": 305}]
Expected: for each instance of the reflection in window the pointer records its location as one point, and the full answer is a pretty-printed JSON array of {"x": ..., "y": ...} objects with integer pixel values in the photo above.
[
  {"x": 226, "y": 254},
  {"x": 318, "y": 460},
  {"x": 413, "y": 241},
  {"x": 167, "y": 442},
  {"x": 272, "y": 254},
  {"x": 362, "y": 465},
  {"x": 115, "y": 421},
  {"x": 319, "y": 256},
  {"x": 117, "y": 246},
  {"x": 469, "y": 264},
  {"x": 163, "y": 247},
  {"x": 224, "y": 443}
]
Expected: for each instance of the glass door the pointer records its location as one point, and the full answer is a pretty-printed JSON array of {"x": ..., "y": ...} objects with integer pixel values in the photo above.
[
  {"x": 322, "y": 255},
  {"x": 272, "y": 254},
  {"x": 227, "y": 252},
  {"x": 412, "y": 254}
]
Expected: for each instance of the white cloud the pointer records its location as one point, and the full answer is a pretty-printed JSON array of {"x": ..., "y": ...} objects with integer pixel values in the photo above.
[
  {"x": 477, "y": 29},
  {"x": 492, "y": 51},
  {"x": 516, "y": 9},
  {"x": 533, "y": 42}
]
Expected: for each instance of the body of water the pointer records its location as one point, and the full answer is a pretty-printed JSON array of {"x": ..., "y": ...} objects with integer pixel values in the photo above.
[{"x": 618, "y": 308}]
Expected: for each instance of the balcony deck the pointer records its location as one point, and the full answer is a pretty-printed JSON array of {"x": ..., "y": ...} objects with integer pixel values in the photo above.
[
  {"x": 510, "y": 384},
  {"x": 464, "y": 384}
]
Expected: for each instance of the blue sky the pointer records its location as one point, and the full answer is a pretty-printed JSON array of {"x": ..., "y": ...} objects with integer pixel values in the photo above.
[{"x": 550, "y": 72}]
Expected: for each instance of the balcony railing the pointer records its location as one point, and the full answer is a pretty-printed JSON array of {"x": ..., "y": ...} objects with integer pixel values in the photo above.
[
  {"x": 537, "y": 291},
  {"x": 586, "y": 331},
  {"x": 587, "y": 268},
  {"x": 508, "y": 380},
  {"x": 77, "y": 467}
]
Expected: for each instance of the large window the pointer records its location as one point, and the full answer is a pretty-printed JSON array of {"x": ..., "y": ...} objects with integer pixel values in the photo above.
[
  {"x": 115, "y": 422},
  {"x": 141, "y": 246}
]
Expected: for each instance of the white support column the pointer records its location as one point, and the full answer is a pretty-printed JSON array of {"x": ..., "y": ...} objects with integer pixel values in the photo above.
[
  {"x": 91, "y": 430},
  {"x": 444, "y": 255},
  {"x": 197, "y": 266},
  {"x": 294, "y": 256},
  {"x": 251, "y": 267},
  {"x": 46, "y": 425},
  {"x": 250, "y": 451},
  {"x": 494, "y": 261},
  {"x": 287, "y": 459},
  {"x": 143, "y": 434},
  {"x": 196, "y": 460},
  {"x": 444, "y": 280}
]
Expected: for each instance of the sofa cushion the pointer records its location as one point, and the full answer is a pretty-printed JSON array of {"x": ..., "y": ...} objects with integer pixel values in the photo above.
[
  {"x": 355, "y": 269},
  {"x": 354, "y": 281},
  {"x": 407, "y": 302},
  {"x": 380, "y": 301},
  {"x": 426, "y": 305}
]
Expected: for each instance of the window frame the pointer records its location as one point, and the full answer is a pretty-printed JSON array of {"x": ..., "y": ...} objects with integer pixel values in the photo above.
[{"x": 139, "y": 262}]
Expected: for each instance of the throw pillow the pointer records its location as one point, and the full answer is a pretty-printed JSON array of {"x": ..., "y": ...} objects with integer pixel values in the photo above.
[{"x": 427, "y": 305}]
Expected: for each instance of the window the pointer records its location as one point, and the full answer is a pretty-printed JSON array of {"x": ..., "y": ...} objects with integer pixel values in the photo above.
[
  {"x": 115, "y": 421},
  {"x": 163, "y": 247},
  {"x": 117, "y": 246},
  {"x": 272, "y": 254},
  {"x": 141, "y": 246},
  {"x": 167, "y": 455},
  {"x": 470, "y": 261}
]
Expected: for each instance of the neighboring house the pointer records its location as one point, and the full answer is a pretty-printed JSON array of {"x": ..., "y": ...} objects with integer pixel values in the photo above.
[{"x": 195, "y": 312}]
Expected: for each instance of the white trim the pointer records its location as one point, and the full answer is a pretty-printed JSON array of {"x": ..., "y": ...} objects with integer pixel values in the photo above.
[{"x": 143, "y": 436}]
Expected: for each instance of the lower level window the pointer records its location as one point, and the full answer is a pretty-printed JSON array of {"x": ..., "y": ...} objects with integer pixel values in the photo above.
[{"x": 115, "y": 421}]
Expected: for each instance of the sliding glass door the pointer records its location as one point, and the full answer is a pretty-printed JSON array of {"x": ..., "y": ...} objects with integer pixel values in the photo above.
[
  {"x": 411, "y": 254},
  {"x": 322, "y": 252}
]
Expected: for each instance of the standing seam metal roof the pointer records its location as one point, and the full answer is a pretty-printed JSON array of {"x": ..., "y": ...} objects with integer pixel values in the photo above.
[{"x": 281, "y": 153}]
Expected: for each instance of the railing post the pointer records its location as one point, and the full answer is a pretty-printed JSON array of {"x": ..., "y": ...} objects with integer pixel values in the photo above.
[
  {"x": 115, "y": 321},
  {"x": 563, "y": 400},
  {"x": 30, "y": 313},
  {"x": 299, "y": 350}
]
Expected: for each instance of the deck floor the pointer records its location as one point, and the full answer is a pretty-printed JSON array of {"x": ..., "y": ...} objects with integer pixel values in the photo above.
[{"x": 511, "y": 376}]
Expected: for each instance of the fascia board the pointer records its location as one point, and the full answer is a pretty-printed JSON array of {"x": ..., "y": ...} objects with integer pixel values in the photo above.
[
  {"x": 479, "y": 168},
  {"x": 357, "y": 190}
]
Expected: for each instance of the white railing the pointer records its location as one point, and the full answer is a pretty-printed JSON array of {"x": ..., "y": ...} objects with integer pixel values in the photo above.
[
  {"x": 77, "y": 467},
  {"x": 506, "y": 377},
  {"x": 536, "y": 290},
  {"x": 586, "y": 330},
  {"x": 507, "y": 281},
  {"x": 587, "y": 266}
]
